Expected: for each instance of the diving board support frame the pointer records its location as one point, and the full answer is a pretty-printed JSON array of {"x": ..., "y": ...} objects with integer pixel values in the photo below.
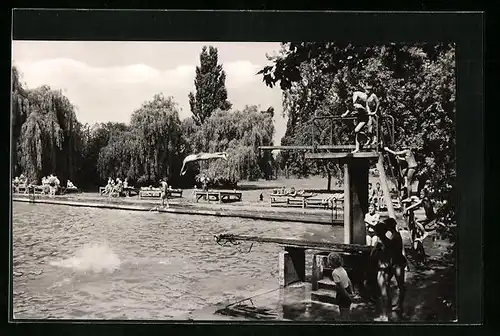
[
  {"x": 292, "y": 265},
  {"x": 355, "y": 200}
]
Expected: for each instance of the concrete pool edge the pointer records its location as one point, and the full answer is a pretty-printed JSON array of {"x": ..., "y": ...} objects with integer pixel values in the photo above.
[{"x": 258, "y": 214}]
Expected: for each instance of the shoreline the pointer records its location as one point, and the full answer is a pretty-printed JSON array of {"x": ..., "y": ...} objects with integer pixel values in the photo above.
[{"x": 182, "y": 206}]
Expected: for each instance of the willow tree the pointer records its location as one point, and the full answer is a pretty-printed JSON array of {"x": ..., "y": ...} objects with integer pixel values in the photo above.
[
  {"x": 120, "y": 157},
  {"x": 158, "y": 129},
  {"x": 239, "y": 133},
  {"x": 46, "y": 132},
  {"x": 19, "y": 111},
  {"x": 96, "y": 138}
]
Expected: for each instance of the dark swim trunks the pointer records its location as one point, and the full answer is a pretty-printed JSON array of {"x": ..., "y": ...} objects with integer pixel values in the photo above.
[
  {"x": 370, "y": 233},
  {"x": 361, "y": 116},
  {"x": 343, "y": 301}
]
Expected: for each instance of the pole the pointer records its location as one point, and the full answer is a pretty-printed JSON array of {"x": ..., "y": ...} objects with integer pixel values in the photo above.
[
  {"x": 347, "y": 205},
  {"x": 385, "y": 188}
]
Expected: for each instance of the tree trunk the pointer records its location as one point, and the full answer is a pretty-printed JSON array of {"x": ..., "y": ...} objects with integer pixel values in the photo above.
[{"x": 329, "y": 187}]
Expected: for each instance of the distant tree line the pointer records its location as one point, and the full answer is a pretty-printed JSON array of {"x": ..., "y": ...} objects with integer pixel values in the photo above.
[{"x": 47, "y": 137}]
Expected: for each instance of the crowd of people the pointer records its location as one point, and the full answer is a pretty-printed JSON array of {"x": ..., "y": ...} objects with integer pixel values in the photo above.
[
  {"x": 115, "y": 188},
  {"x": 50, "y": 185}
]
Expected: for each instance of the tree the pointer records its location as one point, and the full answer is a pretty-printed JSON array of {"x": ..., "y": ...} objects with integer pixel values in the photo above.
[
  {"x": 416, "y": 85},
  {"x": 96, "y": 138},
  {"x": 47, "y": 134},
  {"x": 19, "y": 112},
  {"x": 211, "y": 93},
  {"x": 239, "y": 133},
  {"x": 147, "y": 150}
]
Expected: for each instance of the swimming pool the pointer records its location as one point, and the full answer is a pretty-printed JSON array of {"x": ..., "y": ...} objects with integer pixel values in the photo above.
[{"x": 89, "y": 263}]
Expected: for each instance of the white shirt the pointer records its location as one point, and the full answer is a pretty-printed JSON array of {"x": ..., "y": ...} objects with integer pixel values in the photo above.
[
  {"x": 372, "y": 220},
  {"x": 340, "y": 275}
]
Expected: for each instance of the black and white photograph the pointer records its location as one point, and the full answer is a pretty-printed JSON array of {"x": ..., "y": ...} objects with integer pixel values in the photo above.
[{"x": 234, "y": 181}]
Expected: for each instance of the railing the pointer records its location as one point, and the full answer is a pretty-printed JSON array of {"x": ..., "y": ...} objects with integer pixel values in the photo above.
[{"x": 387, "y": 124}]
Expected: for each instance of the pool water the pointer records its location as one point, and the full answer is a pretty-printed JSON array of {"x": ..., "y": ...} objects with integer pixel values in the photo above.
[{"x": 89, "y": 263}]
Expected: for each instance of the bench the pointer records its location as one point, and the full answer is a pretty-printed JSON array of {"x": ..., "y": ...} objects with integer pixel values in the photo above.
[
  {"x": 150, "y": 193},
  {"x": 308, "y": 200},
  {"x": 219, "y": 196},
  {"x": 156, "y": 193},
  {"x": 288, "y": 200},
  {"x": 126, "y": 191}
]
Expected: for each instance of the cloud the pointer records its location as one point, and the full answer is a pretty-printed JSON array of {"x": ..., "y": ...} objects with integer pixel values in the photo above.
[
  {"x": 240, "y": 73},
  {"x": 112, "y": 93},
  {"x": 61, "y": 70}
]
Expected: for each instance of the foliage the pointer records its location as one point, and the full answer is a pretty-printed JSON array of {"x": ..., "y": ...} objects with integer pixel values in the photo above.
[
  {"x": 211, "y": 93},
  {"x": 239, "y": 133},
  {"x": 415, "y": 84},
  {"x": 46, "y": 133},
  {"x": 149, "y": 148},
  {"x": 95, "y": 138}
]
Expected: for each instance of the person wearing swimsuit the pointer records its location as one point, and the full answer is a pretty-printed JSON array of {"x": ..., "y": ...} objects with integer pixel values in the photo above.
[
  {"x": 408, "y": 173},
  {"x": 428, "y": 216},
  {"x": 164, "y": 192},
  {"x": 362, "y": 111},
  {"x": 343, "y": 285},
  {"x": 371, "y": 219},
  {"x": 390, "y": 262},
  {"x": 372, "y": 105}
]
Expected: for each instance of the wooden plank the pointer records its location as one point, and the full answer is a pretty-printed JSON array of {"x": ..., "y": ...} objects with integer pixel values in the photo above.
[
  {"x": 153, "y": 193},
  {"x": 385, "y": 187},
  {"x": 340, "y": 155},
  {"x": 326, "y": 246},
  {"x": 347, "y": 205},
  {"x": 319, "y": 147}
]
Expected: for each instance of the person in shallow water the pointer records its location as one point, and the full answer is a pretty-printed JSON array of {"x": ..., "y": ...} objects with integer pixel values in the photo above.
[{"x": 164, "y": 192}]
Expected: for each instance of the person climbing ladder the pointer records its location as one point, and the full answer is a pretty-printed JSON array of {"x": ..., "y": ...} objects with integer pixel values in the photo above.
[
  {"x": 409, "y": 172},
  {"x": 363, "y": 103}
]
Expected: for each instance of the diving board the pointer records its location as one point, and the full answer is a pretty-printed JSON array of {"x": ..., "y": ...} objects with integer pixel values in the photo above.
[
  {"x": 317, "y": 147},
  {"x": 296, "y": 243},
  {"x": 341, "y": 155}
]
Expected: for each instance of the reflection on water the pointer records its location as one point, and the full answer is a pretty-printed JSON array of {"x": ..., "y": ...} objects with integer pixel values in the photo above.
[{"x": 87, "y": 263}]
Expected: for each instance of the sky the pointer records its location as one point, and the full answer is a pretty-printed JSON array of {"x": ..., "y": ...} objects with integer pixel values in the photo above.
[{"x": 107, "y": 81}]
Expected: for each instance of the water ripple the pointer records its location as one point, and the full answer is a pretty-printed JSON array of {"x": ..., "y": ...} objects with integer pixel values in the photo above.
[{"x": 79, "y": 263}]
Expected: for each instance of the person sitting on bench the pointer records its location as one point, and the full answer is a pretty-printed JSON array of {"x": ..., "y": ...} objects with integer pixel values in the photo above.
[{"x": 70, "y": 185}]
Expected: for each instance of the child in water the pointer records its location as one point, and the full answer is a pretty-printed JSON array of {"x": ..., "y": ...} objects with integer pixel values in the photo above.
[{"x": 343, "y": 285}]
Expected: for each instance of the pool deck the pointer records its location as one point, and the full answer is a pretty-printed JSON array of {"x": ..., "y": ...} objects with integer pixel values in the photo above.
[{"x": 259, "y": 211}]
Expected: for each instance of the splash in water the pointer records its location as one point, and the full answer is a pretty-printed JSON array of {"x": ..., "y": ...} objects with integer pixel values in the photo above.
[{"x": 94, "y": 257}]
